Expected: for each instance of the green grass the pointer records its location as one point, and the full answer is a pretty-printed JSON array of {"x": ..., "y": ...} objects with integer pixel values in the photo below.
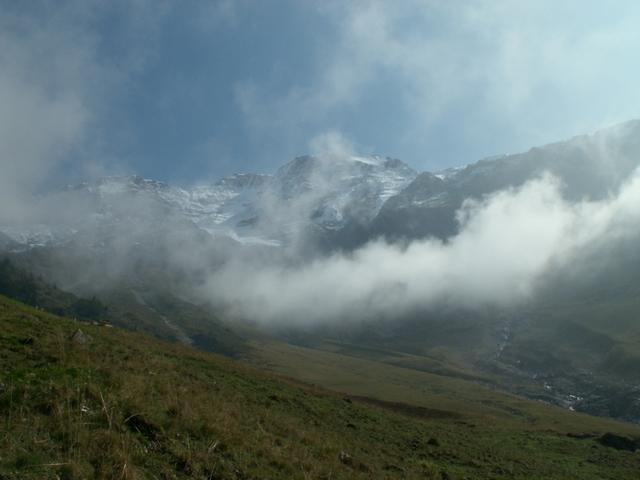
[
  {"x": 354, "y": 375},
  {"x": 129, "y": 406}
]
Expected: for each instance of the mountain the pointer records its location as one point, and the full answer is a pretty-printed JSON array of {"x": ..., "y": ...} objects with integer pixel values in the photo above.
[
  {"x": 7, "y": 244},
  {"x": 589, "y": 166},
  {"x": 328, "y": 193},
  {"x": 20, "y": 285},
  {"x": 85, "y": 401},
  {"x": 146, "y": 249},
  {"x": 339, "y": 190},
  {"x": 335, "y": 201}
]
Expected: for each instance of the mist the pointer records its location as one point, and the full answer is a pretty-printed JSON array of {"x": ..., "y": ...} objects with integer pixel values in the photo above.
[
  {"x": 64, "y": 86},
  {"x": 506, "y": 245}
]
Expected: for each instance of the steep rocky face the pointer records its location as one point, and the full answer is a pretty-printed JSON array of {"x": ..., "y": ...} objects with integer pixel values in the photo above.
[
  {"x": 319, "y": 204},
  {"x": 424, "y": 208},
  {"x": 143, "y": 230},
  {"x": 342, "y": 189},
  {"x": 589, "y": 167},
  {"x": 332, "y": 201},
  {"x": 224, "y": 205},
  {"x": 306, "y": 193}
]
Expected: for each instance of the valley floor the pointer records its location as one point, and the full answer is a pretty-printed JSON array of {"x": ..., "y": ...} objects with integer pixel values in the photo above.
[{"x": 114, "y": 404}]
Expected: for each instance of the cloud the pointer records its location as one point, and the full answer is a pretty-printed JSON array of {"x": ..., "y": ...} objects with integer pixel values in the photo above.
[
  {"x": 331, "y": 143},
  {"x": 56, "y": 84},
  {"x": 524, "y": 66},
  {"x": 506, "y": 244},
  {"x": 43, "y": 113},
  {"x": 502, "y": 75}
]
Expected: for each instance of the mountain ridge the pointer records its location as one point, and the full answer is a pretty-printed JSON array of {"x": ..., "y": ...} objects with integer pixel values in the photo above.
[
  {"x": 365, "y": 195},
  {"x": 144, "y": 247}
]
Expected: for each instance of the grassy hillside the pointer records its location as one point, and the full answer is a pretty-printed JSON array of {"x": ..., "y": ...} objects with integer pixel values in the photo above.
[
  {"x": 582, "y": 353},
  {"x": 124, "y": 405},
  {"x": 33, "y": 290},
  {"x": 354, "y": 375},
  {"x": 160, "y": 313}
]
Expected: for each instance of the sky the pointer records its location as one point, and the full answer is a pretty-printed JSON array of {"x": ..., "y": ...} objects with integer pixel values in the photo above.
[{"x": 187, "y": 91}]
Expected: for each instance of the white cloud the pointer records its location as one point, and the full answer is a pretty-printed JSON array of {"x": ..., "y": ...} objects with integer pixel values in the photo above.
[
  {"x": 55, "y": 89},
  {"x": 537, "y": 71},
  {"x": 506, "y": 245},
  {"x": 331, "y": 143},
  {"x": 544, "y": 69},
  {"x": 43, "y": 115}
]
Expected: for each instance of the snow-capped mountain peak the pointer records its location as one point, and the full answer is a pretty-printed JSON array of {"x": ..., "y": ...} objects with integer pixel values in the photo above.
[
  {"x": 322, "y": 191},
  {"x": 325, "y": 194}
]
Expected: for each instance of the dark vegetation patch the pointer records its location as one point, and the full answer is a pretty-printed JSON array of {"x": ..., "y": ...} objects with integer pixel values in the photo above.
[
  {"x": 33, "y": 290},
  {"x": 407, "y": 409},
  {"x": 619, "y": 442}
]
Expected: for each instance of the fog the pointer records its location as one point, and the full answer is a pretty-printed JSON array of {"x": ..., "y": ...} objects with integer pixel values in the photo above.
[
  {"x": 506, "y": 245},
  {"x": 58, "y": 86}
]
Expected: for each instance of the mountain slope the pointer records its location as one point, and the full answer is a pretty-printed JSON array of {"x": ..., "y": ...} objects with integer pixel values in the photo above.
[
  {"x": 156, "y": 311},
  {"x": 590, "y": 166},
  {"x": 22, "y": 286},
  {"x": 308, "y": 192},
  {"x": 145, "y": 248},
  {"x": 106, "y": 403},
  {"x": 340, "y": 201}
]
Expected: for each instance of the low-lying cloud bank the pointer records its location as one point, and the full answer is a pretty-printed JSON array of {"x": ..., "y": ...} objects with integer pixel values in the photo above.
[{"x": 506, "y": 244}]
